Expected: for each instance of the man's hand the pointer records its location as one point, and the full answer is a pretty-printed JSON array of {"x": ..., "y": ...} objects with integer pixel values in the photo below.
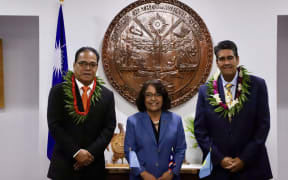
[
  {"x": 226, "y": 163},
  {"x": 237, "y": 165},
  {"x": 83, "y": 158},
  {"x": 232, "y": 164},
  {"x": 166, "y": 176},
  {"x": 147, "y": 176}
]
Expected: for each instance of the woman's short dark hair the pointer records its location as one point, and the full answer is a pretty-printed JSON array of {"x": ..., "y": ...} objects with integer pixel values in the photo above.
[
  {"x": 227, "y": 44},
  {"x": 82, "y": 49},
  {"x": 160, "y": 88}
]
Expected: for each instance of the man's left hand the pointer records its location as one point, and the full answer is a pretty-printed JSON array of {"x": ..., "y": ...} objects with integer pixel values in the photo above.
[
  {"x": 83, "y": 158},
  {"x": 166, "y": 176},
  {"x": 237, "y": 165}
]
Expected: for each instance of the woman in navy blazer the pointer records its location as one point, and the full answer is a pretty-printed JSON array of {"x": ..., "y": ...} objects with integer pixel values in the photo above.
[{"x": 153, "y": 133}]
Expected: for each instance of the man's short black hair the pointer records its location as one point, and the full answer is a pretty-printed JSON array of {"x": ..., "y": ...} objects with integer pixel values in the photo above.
[
  {"x": 227, "y": 44},
  {"x": 160, "y": 88},
  {"x": 86, "y": 49}
]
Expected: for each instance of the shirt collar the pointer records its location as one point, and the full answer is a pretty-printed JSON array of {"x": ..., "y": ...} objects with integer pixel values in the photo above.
[
  {"x": 80, "y": 85},
  {"x": 233, "y": 82}
]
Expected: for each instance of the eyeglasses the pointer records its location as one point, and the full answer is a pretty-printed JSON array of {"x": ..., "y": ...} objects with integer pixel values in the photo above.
[
  {"x": 223, "y": 58},
  {"x": 150, "y": 95},
  {"x": 85, "y": 64}
]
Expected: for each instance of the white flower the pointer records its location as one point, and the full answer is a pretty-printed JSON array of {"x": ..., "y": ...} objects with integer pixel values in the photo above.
[
  {"x": 234, "y": 102},
  {"x": 231, "y": 104},
  {"x": 217, "y": 98},
  {"x": 227, "y": 98},
  {"x": 239, "y": 87},
  {"x": 228, "y": 105},
  {"x": 241, "y": 73}
]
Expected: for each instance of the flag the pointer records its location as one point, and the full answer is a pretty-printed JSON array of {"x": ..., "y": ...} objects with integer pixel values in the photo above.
[
  {"x": 207, "y": 167},
  {"x": 60, "y": 66},
  {"x": 133, "y": 160},
  {"x": 171, "y": 161}
]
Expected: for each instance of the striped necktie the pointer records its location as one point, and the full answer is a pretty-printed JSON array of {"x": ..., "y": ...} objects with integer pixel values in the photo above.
[{"x": 229, "y": 99}]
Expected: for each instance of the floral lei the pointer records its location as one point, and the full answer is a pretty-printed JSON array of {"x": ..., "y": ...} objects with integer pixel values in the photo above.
[
  {"x": 71, "y": 100},
  {"x": 241, "y": 94}
]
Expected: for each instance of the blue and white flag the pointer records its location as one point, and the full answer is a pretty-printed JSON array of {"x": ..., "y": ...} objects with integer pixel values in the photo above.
[
  {"x": 60, "y": 66},
  {"x": 133, "y": 160},
  {"x": 207, "y": 167}
]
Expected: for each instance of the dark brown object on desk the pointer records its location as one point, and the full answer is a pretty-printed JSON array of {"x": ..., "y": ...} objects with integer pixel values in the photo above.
[{"x": 117, "y": 144}]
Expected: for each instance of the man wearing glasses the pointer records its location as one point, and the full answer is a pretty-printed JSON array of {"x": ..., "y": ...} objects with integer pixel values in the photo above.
[{"x": 81, "y": 119}]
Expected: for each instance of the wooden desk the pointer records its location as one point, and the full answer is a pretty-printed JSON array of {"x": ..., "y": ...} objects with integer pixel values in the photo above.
[{"x": 121, "y": 172}]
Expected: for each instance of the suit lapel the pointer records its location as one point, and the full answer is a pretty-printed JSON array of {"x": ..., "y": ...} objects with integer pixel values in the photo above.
[
  {"x": 163, "y": 125},
  {"x": 147, "y": 125},
  {"x": 221, "y": 89},
  {"x": 79, "y": 99}
]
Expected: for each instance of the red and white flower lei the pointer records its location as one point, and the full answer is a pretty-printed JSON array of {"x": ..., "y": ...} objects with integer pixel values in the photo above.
[{"x": 241, "y": 94}]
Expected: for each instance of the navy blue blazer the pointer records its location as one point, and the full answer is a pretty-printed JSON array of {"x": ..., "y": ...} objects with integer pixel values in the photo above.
[
  {"x": 244, "y": 137},
  {"x": 154, "y": 157}
]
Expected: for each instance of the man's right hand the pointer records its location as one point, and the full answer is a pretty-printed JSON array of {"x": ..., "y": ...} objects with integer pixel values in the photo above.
[
  {"x": 83, "y": 158},
  {"x": 226, "y": 162}
]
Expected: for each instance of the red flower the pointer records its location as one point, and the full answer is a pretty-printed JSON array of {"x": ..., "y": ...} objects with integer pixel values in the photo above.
[
  {"x": 223, "y": 105},
  {"x": 215, "y": 84},
  {"x": 240, "y": 80},
  {"x": 75, "y": 99},
  {"x": 238, "y": 94}
]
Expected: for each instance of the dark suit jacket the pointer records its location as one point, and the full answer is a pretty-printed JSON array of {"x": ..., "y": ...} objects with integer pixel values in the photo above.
[
  {"x": 154, "y": 157},
  {"x": 244, "y": 137},
  {"x": 93, "y": 135}
]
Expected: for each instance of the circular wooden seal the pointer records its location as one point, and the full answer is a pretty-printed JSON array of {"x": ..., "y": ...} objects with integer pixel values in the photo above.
[{"x": 157, "y": 39}]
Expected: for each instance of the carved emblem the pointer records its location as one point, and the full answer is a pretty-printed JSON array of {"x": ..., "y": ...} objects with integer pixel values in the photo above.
[{"x": 157, "y": 39}]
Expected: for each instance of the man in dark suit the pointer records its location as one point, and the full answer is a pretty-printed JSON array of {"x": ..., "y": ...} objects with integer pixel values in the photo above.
[
  {"x": 233, "y": 120},
  {"x": 81, "y": 119}
]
